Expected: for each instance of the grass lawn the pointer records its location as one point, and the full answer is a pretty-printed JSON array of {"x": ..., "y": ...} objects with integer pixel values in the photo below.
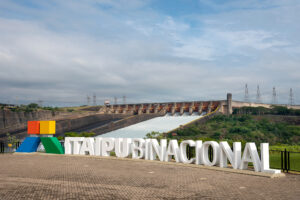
[{"x": 275, "y": 160}]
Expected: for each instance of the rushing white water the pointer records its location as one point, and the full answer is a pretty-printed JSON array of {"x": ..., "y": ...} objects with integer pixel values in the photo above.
[{"x": 158, "y": 124}]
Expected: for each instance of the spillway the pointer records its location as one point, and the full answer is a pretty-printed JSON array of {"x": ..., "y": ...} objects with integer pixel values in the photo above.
[{"x": 159, "y": 124}]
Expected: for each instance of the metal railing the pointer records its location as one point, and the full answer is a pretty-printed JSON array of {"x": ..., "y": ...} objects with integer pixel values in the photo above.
[{"x": 285, "y": 160}]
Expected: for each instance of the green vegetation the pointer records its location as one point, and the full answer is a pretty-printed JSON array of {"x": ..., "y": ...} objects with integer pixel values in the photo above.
[
  {"x": 275, "y": 110},
  {"x": 275, "y": 160},
  {"x": 12, "y": 140},
  {"x": 30, "y": 108},
  {"x": 280, "y": 134},
  {"x": 155, "y": 135},
  {"x": 292, "y": 148},
  {"x": 242, "y": 128},
  {"x": 75, "y": 134}
]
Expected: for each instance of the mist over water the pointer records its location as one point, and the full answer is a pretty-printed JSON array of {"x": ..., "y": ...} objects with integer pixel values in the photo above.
[{"x": 158, "y": 124}]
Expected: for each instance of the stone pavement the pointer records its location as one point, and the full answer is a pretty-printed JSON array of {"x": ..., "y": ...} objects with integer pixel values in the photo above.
[{"x": 70, "y": 177}]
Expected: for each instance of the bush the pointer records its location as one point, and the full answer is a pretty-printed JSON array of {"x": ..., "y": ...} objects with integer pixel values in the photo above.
[
  {"x": 154, "y": 135},
  {"x": 33, "y": 106},
  {"x": 275, "y": 110},
  {"x": 81, "y": 134},
  {"x": 242, "y": 128}
]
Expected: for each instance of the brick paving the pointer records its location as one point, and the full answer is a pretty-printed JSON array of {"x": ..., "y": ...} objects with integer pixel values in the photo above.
[{"x": 70, "y": 177}]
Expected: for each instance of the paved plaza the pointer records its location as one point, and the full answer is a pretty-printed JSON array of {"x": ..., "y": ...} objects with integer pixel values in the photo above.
[{"x": 69, "y": 177}]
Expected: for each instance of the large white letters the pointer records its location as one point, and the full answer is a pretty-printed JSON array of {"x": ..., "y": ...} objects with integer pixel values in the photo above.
[
  {"x": 87, "y": 146},
  {"x": 198, "y": 150},
  {"x": 204, "y": 152},
  {"x": 98, "y": 146},
  {"x": 173, "y": 150},
  {"x": 122, "y": 147},
  {"x": 73, "y": 145},
  {"x": 68, "y": 145},
  {"x": 107, "y": 146},
  {"x": 250, "y": 155},
  {"x": 138, "y": 148},
  {"x": 234, "y": 156},
  {"x": 155, "y": 149},
  {"x": 183, "y": 146},
  {"x": 151, "y": 149},
  {"x": 265, "y": 162}
]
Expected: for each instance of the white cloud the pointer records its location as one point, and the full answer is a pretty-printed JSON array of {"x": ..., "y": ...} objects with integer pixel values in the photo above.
[{"x": 74, "y": 49}]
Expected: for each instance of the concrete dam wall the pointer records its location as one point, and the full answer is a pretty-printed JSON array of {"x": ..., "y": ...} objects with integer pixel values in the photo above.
[
  {"x": 65, "y": 124},
  {"x": 12, "y": 122},
  {"x": 163, "y": 108}
]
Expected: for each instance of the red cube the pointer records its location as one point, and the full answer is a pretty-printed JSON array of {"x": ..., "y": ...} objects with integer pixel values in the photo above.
[{"x": 33, "y": 127}]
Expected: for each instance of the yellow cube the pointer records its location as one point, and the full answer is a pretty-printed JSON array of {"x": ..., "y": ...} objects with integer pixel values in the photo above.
[{"x": 47, "y": 127}]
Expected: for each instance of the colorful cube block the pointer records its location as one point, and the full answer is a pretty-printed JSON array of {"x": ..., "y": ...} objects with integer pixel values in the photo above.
[
  {"x": 47, "y": 127},
  {"x": 33, "y": 127}
]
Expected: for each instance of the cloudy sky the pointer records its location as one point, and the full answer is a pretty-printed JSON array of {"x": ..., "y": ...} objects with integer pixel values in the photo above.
[{"x": 149, "y": 50}]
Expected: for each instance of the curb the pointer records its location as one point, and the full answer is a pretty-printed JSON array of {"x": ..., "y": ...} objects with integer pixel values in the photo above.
[{"x": 228, "y": 170}]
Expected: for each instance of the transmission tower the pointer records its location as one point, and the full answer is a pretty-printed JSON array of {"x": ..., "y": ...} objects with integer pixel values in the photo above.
[
  {"x": 246, "y": 93},
  {"x": 88, "y": 98},
  {"x": 258, "y": 98},
  {"x": 124, "y": 100},
  {"x": 94, "y": 99},
  {"x": 291, "y": 99},
  {"x": 274, "y": 96},
  {"x": 116, "y": 100}
]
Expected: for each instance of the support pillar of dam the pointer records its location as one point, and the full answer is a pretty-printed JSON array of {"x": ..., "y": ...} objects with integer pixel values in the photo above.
[
  {"x": 173, "y": 109},
  {"x": 200, "y": 108},
  {"x": 209, "y": 107},
  {"x": 131, "y": 109},
  {"x": 140, "y": 111},
  {"x": 182, "y": 108},
  {"x": 148, "y": 110},
  {"x": 156, "y": 108},
  {"x": 191, "y": 108},
  {"x": 125, "y": 109},
  {"x": 164, "y": 109}
]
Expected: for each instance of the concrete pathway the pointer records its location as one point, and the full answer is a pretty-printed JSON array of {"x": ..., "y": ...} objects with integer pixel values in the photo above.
[{"x": 69, "y": 177}]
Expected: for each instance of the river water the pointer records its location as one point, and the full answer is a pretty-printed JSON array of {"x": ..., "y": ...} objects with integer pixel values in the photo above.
[{"x": 159, "y": 124}]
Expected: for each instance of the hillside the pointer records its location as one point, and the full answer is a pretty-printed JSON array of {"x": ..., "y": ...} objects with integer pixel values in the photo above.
[{"x": 245, "y": 128}]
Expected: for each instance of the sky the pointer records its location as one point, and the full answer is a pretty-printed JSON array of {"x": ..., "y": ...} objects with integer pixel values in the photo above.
[{"x": 60, "y": 52}]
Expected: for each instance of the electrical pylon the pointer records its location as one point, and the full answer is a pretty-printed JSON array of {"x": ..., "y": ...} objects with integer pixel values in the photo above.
[
  {"x": 258, "y": 97},
  {"x": 246, "y": 93}
]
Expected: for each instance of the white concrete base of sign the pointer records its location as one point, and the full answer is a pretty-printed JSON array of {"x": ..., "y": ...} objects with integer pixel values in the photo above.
[{"x": 229, "y": 170}]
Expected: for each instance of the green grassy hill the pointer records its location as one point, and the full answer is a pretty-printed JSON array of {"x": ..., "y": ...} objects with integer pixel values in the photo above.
[{"x": 279, "y": 131}]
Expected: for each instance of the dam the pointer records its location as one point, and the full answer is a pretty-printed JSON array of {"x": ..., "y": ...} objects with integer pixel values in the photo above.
[{"x": 112, "y": 120}]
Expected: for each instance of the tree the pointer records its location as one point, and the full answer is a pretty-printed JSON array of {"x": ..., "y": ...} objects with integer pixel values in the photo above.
[{"x": 11, "y": 139}]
